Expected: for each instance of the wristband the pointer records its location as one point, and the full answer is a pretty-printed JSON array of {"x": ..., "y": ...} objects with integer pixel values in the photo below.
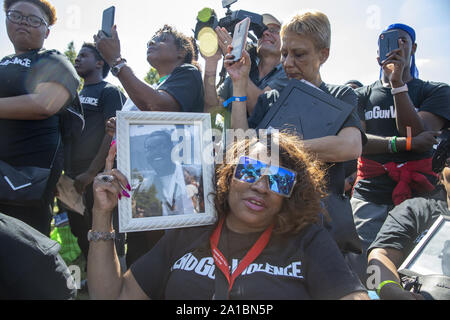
[
  {"x": 408, "y": 139},
  {"x": 394, "y": 144},
  {"x": 238, "y": 99},
  {"x": 398, "y": 90},
  {"x": 385, "y": 283},
  {"x": 96, "y": 236},
  {"x": 390, "y": 146}
]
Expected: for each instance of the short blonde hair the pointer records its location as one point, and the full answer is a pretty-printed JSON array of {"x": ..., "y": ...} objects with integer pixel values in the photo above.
[{"x": 313, "y": 24}]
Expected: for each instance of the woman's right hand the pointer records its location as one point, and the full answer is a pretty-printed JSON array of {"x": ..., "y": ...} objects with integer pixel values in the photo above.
[
  {"x": 110, "y": 186},
  {"x": 238, "y": 70}
]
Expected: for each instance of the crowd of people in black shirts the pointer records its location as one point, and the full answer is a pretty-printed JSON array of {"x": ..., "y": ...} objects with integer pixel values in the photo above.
[{"x": 361, "y": 197}]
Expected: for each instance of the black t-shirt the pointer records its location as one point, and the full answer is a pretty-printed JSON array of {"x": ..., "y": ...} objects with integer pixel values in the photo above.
[
  {"x": 30, "y": 266},
  {"x": 336, "y": 173},
  {"x": 376, "y": 108},
  {"x": 33, "y": 143},
  {"x": 408, "y": 223},
  {"x": 100, "y": 102},
  {"x": 306, "y": 266},
  {"x": 185, "y": 85}
]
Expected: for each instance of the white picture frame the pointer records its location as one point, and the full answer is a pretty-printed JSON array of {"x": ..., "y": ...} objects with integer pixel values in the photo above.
[
  {"x": 159, "y": 201},
  {"x": 427, "y": 258}
]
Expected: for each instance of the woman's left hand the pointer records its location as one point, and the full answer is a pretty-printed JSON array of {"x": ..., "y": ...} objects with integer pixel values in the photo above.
[
  {"x": 109, "y": 47},
  {"x": 110, "y": 186}
]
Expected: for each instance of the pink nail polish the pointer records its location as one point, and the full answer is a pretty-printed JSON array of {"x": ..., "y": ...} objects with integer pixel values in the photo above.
[
  {"x": 126, "y": 194},
  {"x": 120, "y": 196},
  {"x": 128, "y": 187},
  {"x": 113, "y": 143}
]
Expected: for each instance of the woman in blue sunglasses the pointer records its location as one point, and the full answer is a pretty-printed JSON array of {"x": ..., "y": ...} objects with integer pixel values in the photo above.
[{"x": 268, "y": 242}]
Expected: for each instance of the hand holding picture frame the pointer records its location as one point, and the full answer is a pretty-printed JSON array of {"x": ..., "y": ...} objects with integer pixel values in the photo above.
[{"x": 164, "y": 156}]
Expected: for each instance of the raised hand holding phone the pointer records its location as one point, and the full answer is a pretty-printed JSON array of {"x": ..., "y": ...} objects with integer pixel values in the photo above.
[
  {"x": 240, "y": 38},
  {"x": 388, "y": 42},
  {"x": 108, "y": 20}
]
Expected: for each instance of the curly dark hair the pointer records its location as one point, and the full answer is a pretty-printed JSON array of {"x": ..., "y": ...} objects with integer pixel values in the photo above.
[
  {"x": 304, "y": 206},
  {"x": 183, "y": 42},
  {"x": 44, "y": 5}
]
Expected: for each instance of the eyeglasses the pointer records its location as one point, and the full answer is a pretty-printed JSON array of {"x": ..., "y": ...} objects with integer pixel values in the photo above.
[
  {"x": 281, "y": 180},
  {"x": 274, "y": 30},
  {"x": 17, "y": 17}
]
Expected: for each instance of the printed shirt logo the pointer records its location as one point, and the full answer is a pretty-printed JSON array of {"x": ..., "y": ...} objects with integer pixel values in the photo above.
[
  {"x": 89, "y": 100},
  {"x": 23, "y": 62},
  {"x": 378, "y": 113},
  {"x": 206, "y": 267}
]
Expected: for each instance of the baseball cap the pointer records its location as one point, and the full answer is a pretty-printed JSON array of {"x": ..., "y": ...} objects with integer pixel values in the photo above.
[{"x": 270, "y": 19}]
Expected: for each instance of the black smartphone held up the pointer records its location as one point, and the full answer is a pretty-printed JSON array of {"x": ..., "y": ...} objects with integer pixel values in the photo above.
[
  {"x": 108, "y": 20},
  {"x": 240, "y": 38},
  {"x": 388, "y": 41}
]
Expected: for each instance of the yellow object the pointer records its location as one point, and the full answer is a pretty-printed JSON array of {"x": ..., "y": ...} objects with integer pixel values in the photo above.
[{"x": 208, "y": 42}]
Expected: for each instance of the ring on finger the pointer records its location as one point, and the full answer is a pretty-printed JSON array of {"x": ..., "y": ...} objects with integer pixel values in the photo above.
[{"x": 106, "y": 178}]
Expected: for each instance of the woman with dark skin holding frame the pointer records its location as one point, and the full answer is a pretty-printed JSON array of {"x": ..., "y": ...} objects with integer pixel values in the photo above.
[
  {"x": 269, "y": 230},
  {"x": 36, "y": 85}
]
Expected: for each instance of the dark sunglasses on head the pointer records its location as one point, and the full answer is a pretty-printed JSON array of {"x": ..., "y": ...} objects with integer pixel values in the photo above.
[{"x": 281, "y": 180}]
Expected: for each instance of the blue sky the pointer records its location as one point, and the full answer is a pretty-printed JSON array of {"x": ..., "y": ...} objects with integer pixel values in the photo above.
[{"x": 355, "y": 28}]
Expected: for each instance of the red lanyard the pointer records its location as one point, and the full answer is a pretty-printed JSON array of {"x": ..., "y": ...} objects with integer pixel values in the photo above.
[{"x": 222, "y": 262}]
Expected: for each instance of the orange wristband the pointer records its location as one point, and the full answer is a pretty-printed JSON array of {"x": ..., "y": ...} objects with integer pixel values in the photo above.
[{"x": 408, "y": 139}]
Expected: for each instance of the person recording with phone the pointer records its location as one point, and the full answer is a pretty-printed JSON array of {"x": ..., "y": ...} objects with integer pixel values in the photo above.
[
  {"x": 173, "y": 55},
  {"x": 268, "y": 212},
  {"x": 305, "y": 48},
  {"x": 265, "y": 75},
  {"x": 402, "y": 117}
]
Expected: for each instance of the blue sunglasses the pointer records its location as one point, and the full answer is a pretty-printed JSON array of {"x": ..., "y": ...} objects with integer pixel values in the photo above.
[{"x": 281, "y": 180}]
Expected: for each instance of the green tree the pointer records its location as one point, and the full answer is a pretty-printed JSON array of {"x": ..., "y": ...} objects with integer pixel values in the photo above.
[
  {"x": 152, "y": 77},
  {"x": 71, "y": 53}
]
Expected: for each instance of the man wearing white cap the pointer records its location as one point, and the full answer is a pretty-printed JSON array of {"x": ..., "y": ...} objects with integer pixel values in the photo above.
[{"x": 266, "y": 74}]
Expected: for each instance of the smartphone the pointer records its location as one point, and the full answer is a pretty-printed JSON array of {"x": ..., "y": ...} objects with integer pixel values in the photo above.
[
  {"x": 108, "y": 20},
  {"x": 240, "y": 38},
  {"x": 388, "y": 41}
]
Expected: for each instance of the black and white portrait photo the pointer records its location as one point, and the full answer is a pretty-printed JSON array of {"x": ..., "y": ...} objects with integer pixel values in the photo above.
[
  {"x": 163, "y": 156},
  {"x": 162, "y": 183}
]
